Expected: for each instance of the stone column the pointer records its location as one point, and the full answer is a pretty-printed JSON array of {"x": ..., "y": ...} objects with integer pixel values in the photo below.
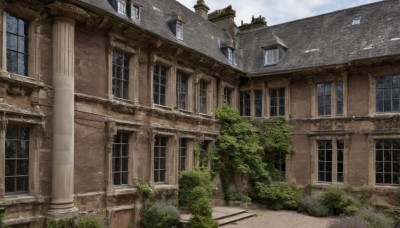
[{"x": 62, "y": 201}]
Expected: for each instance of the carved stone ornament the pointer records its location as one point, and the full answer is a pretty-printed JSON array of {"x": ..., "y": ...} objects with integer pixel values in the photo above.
[
  {"x": 111, "y": 131},
  {"x": 16, "y": 90},
  {"x": 68, "y": 10}
]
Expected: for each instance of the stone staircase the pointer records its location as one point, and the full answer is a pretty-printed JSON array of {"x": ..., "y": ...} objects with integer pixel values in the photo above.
[{"x": 224, "y": 215}]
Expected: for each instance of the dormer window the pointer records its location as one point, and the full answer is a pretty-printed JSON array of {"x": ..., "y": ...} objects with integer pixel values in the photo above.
[
  {"x": 135, "y": 12},
  {"x": 179, "y": 30},
  {"x": 271, "y": 56},
  {"x": 228, "y": 51},
  {"x": 121, "y": 7},
  {"x": 230, "y": 55}
]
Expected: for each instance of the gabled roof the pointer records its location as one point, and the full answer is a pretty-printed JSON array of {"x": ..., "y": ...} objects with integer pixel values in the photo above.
[
  {"x": 327, "y": 39},
  {"x": 199, "y": 34}
]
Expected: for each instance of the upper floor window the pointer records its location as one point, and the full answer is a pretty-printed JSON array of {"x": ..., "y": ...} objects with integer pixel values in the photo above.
[
  {"x": 387, "y": 162},
  {"x": 181, "y": 90},
  {"x": 258, "y": 103},
  {"x": 227, "y": 96},
  {"x": 16, "y": 159},
  {"x": 159, "y": 84},
  {"x": 203, "y": 96},
  {"x": 271, "y": 56},
  {"x": 160, "y": 151},
  {"x": 121, "y": 6},
  {"x": 120, "y": 79},
  {"x": 356, "y": 20},
  {"x": 387, "y": 93},
  {"x": 277, "y": 102},
  {"x": 120, "y": 158},
  {"x": 17, "y": 45},
  {"x": 245, "y": 103},
  {"x": 330, "y": 99}
]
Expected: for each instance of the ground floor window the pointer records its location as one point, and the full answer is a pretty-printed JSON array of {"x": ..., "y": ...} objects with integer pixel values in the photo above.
[
  {"x": 387, "y": 162},
  {"x": 120, "y": 158},
  {"x": 160, "y": 151},
  {"x": 182, "y": 153},
  {"x": 330, "y": 165},
  {"x": 280, "y": 163},
  {"x": 17, "y": 159}
]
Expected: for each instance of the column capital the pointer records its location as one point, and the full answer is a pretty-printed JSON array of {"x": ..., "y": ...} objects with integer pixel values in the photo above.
[{"x": 68, "y": 12}]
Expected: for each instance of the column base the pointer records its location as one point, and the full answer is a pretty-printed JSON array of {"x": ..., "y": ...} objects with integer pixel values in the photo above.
[{"x": 62, "y": 213}]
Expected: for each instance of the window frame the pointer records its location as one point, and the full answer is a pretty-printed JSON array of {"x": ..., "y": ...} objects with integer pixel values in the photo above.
[
  {"x": 243, "y": 101},
  {"x": 258, "y": 101},
  {"x": 344, "y": 138},
  {"x": 126, "y": 46},
  {"x": 277, "y": 99},
  {"x": 391, "y": 173},
  {"x": 179, "y": 30},
  {"x": 333, "y": 79},
  {"x": 183, "y": 165},
  {"x": 135, "y": 8},
  {"x": 392, "y": 87},
  {"x": 34, "y": 57},
  {"x": 203, "y": 98},
  {"x": 159, "y": 82},
  {"x": 35, "y": 141},
  {"x": 180, "y": 75},
  {"x": 274, "y": 53},
  {"x": 122, "y": 6},
  {"x": 128, "y": 158},
  {"x": 122, "y": 80}
]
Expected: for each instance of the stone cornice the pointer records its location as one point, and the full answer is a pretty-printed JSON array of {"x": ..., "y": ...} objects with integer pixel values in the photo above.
[{"x": 67, "y": 10}]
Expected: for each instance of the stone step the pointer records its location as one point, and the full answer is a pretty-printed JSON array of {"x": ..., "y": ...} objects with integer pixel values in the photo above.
[
  {"x": 231, "y": 219},
  {"x": 223, "y": 212}
]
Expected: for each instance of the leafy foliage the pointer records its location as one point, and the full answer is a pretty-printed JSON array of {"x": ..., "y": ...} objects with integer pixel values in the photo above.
[
  {"x": 313, "y": 207},
  {"x": 199, "y": 221},
  {"x": 2, "y": 212},
  {"x": 375, "y": 219},
  {"x": 279, "y": 195},
  {"x": 60, "y": 223},
  {"x": 160, "y": 215},
  {"x": 337, "y": 201},
  {"x": 366, "y": 194},
  {"x": 88, "y": 222},
  {"x": 147, "y": 192}
]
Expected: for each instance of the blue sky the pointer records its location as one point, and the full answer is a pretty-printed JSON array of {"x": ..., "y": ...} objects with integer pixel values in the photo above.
[{"x": 278, "y": 11}]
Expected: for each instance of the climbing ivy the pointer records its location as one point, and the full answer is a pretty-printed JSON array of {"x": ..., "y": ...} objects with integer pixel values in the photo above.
[{"x": 244, "y": 145}]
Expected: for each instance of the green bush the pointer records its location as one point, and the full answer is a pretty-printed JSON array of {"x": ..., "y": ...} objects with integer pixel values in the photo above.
[
  {"x": 189, "y": 180},
  {"x": 201, "y": 202},
  {"x": 199, "y": 221},
  {"x": 2, "y": 212},
  {"x": 374, "y": 219},
  {"x": 313, "y": 207},
  {"x": 88, "y": 222},
  {"x": 146, "y": 190},
  {"x": 279, "y": 195},
  {"x": 234, "y": 194},
  {"x": 60, "y": 223},
  {"x": 337, "y": 201},
  {"x": 366, "y": 193},
  {"x": 160, "y": 215}
]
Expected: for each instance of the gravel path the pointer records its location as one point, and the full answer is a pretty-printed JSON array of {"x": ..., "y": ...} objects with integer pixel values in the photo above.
[{"x": 280, "y": 219}]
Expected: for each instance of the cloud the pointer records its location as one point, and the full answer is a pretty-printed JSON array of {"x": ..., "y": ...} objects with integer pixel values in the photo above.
[{"x": 281, "y": 11}]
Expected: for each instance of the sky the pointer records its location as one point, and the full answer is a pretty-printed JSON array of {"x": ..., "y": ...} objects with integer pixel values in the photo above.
[{"x": 278, "y": 11}]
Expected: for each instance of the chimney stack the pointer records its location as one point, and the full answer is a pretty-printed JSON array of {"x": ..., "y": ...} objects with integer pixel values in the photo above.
[{"x": 201, "y": 9}]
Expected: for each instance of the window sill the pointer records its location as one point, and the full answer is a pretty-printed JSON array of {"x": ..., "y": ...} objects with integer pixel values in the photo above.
[
  {"x": 122, "y": 190},
  {"x": 17, "y": 199},
  {"x": 184, "y": 111},
  {"x": 323, "y": 185},
  {"x": 165, "y": 186},
  {"x": 205, "y": 115},
  {"x": 121, "y": 100},
  {"x": 162, "y": 107},
  {"x": 385, "y": 114}
]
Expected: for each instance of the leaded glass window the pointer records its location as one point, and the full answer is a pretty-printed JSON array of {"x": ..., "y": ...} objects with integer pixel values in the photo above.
[
  {"x": 245, "y": 103},
  {"x": 387, "y": 93},
  {"x": 181, "y": 90},
  {"x": 120, "y": 82},
  {"x": 387, "y": 162},
  {"x": 159, "y": 84},
  {"x": 120, "y": 158},
  {"x": 160, "y": 152},
  {"x": 17, "y": 45},
  {"x": 277, "y": 102}
]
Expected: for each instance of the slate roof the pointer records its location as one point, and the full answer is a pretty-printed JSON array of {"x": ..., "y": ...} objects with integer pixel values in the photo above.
[
  {"x": 327, "y": 39},
  {"x": 198, "y": 34}
]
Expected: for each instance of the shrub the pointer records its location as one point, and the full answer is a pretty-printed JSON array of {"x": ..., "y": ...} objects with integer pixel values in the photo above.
[
  {"x": 366, "y": 194},
  {"x": 374, "y": 219},
  {"x": 2, "y": 212},
  {"x": 60, "y": 223},
  {"x": 352, "y": 222},
  {"x": 146, "y": 190},
  {"x": 279, "y": 195},
  {"x": 88, "y": 222},
  {"x": 201, "y": 202},
  {"x": 199, "y": 221},
  {"x": 236, "y": 195},
  {"x": 337, "y": 201},
  {"x": 189, "y": 180},
  {"x": 313, "y": 207},
  {"x": 160, "y": 215}
]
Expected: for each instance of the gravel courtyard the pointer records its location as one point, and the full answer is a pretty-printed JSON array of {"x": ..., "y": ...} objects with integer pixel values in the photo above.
[{"x": 280, "y": 219}]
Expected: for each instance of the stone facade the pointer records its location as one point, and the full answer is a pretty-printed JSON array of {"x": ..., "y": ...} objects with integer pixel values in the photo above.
[{"x": 72, "y": 103}]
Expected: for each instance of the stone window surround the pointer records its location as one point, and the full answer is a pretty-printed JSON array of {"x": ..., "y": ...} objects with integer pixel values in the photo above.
[
  {"x": 372, "y": 91},
  {"x": 372, "y": 138},
  {"x": 252, "y": 88},
  {"x": 211, "y": 84},
  {"x": 199, "y": 141},
  {"x": 34, "y": 28},
  {"x": 331, "y": 78},
  {"x": 35, "y": 142},
  {"x": 314, "y": 157},
  {"x": 190, "y": 143},
  {"x": 170, "y": 93},
  {"x": 234, "y": 94},
  {"x": 124, "y": 45},
  {"x": 112, "y": 127},
  {"x": 277, "y": 85}
]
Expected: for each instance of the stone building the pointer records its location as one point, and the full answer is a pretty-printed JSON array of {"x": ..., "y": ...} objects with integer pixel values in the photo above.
[{"x": 97, "y": 93}]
